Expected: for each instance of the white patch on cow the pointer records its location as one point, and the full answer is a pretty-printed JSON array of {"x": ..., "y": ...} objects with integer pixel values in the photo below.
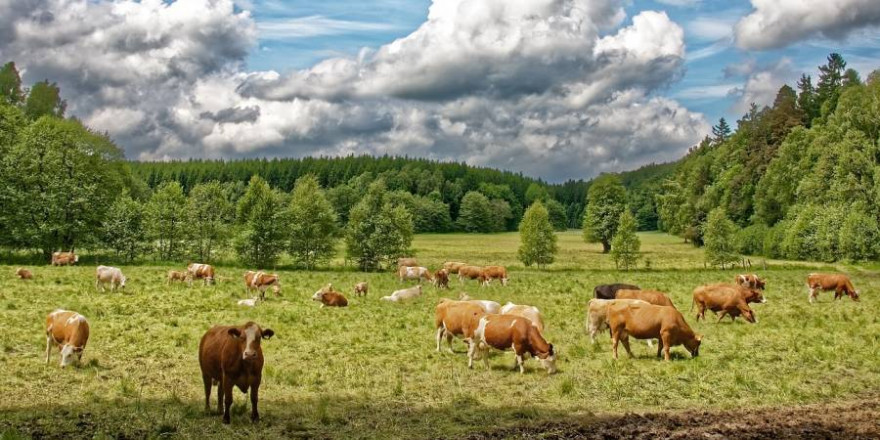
[
  {"x": 507, "y": 307},
  {"x": 480, "y": 332},
  {"x": 250, "y": 336}
]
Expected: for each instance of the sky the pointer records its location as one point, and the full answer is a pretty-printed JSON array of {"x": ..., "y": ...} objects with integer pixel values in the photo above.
[{"x": 557, "y": 89}]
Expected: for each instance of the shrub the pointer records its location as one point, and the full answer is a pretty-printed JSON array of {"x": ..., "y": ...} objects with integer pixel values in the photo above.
[{"x": 537, "y": 239}]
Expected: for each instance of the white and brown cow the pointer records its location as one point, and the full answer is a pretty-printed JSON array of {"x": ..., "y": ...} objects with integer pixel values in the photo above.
[
  {"x": 404, "y": 294},
  {"x": 200, "y": 271},
  {"x": 456, "y": 318},
  {"x": 64, "y": 258},
  {"x": 69, "y": 331},
  {"x": 361, "y": 288},
  {"x": 751, "y": 281},
  {"x": 262, "y": 281},
  {"x": 505, "y": 332},
  {"x": 414, "y": 273},
  {"x": 529, "y": 312},
  {"x": 176, "y": 275},
  {"x": 24, "y": 274},
  {"x": 113, "y": 276}
]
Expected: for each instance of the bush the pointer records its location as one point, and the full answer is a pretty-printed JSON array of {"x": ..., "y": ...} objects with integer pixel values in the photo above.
[
  {"x": 718, "y": 235},
  {"x": 476, "y": 213},
  {"x": 859, "y": 236},
  {"x": 377, "y": 232},
  {"x": 750, "y": 240},
  {"x": 773, "y": 240},
  {"x": 625, "y": 245},
  {"x": 537, "y": 239}
]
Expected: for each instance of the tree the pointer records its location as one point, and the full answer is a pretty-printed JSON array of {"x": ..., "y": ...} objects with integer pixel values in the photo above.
[
  {"x": 343, "y": 198},
  {"x": 859, "y": 236},
  {"x": 476, "y": 214},
  {"x": 721, "y": 132},
  {"x": 537, "y": 239},
  {"x": 557, "y": 215},
  {"x": 262, "y": 227},
  {"x": 501, "y": 213},
  {"x": 167, "y": 217},
  {"x": 536, "y": 192},
  {"x": 377, "y": 232},
  {"x": 211, "y": 214},
  {"x": 830, "y": 83},
  {"x": 807, "y": 100},
  {"x": 44, "y": 99},
  {"x": 10, "y": 85},
  {"x": 626, "y": 244},
  {"x": 312, "y": 219},
  {"x": 125, "y": 228},
  {"x": 718, "y": 236},
  {"x": 606, "y": 199}
]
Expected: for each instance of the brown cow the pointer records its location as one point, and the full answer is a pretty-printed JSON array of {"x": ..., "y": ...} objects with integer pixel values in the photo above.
[
  {"x": 837, "y": 282},
  {"x": 729, "y": 299},
  {"x": 360, "y": 288},
  {"x": 469, "y": 272},
  {"x": 441, "y": 279},
  {"x": 199, "y": 271},
  {"x": 64, "y": 258},
  {"x": 453, "y": 266},
  {"x": 648, "y": 321},
  {"x": 328, "y": 297},
  {"x": 176, "y": 275},
  {"x": 490, "y": 273},
  {"x": 456, "y": 318},
  {"x": 262, "y": 281},
  {"x": 505, "y": 332},
  {"x": 649, "y": 296},
  {"x": 24, "y": 274},
  {"x": 69, "y": 331},
  {"x": 597, "y": 314},
  {"x": 750, "y": 280},
  {"x": 406, "y": 262},
  {"x": 232, "y": 356}
]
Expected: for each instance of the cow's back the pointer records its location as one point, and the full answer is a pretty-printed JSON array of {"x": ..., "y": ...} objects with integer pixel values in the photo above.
[
  {"x": 649, "y": 296},
  {"x": 211, "y": 349},
  {"x": 65, "y": 326}
]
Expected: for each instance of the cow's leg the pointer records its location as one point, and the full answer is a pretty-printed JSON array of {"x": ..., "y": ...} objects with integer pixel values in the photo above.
[
  {"x": 519, "y": 363},
  {"x": 255, "y": 397},
  {"x": 220, "y": 397},
  {"x": 472, "y": 353},
  {"x": 625, "y": 341},
  {"x": 207, "y": 381},
  {"x": 592, "y": 330},
  {"x": 440, "y": 332},
  {"x": 484, "y": 352},
  {"x": 721, "y": 315},
  {"x": 615, "y": 338},
  {"x": 48, "y": 347},
  {"x": 659, "y": 346},
  {"x": 812, "y": 294},
  {"x": 449, "y": 338},
  {"x": 227, "y": 398}
]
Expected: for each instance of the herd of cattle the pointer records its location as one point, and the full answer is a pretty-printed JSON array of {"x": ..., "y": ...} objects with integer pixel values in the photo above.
[{"x": 231, "y": 356}]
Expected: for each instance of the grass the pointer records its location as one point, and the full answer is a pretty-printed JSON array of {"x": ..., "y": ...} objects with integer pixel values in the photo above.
[{"x": 370, "y": 370}]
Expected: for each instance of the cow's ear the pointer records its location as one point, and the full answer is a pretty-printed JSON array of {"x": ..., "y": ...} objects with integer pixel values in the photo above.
[
  {"x": 268, "y": 333},
  {"x": 235, "y": 333}
]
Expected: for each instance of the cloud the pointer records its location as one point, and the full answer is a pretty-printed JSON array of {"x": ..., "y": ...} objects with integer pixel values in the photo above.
[
  {"x": 315, "y": 26},
  {"x": 708, "y": 92},
  {"x": 778, "y": 23},
  {"x": 555, "y": 88},
  {"x": 711, "y": 28},
  {"x": 763, "y": 83},
  {"x": 680, "y": 3}
]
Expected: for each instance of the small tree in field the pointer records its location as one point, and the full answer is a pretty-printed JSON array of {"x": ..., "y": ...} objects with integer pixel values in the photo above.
[
  {"x": 262, "y": 234},
  {"x": 313, "y": 231},
  {"x": 537, "y": 239},
  {"x": 377, "y": 231},
  {"x": 606, "y": 199},
  {"x": 718, "y": 236},
  {"x": 625, "y": 245}
]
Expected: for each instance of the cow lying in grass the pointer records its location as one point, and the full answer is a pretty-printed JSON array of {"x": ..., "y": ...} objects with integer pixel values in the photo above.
[
  {"x": 404, "y": 294},
  {"x": 329, "y": 297}
]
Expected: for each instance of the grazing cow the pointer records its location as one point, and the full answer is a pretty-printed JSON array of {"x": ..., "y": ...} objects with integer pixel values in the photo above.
[
  {"x": 441, "y": 279},
  {"x": 751, "y": 281},
  {"x": 414, "y": 273},
  {"x": 597, "y": 314},
  {"x": 406, "y": 262},
  {"x": 729, "y": 299},
  {"x": 24, "y": 274},
  {"x": 453, "y": 266},
  {"x": 113, "y": 276},
  {"x": 176, "y": 275},
  {"x": 199, "y": 271},
  {"x": 456, "y": 318},
  {"x": 648, "y": 321},
  {"x": 837, "y": 282},
  {"x": 232, "y": 356},
  {"x": 649, "y": 296},
  {"x": 529, "y": 312},
  {"x": 505, "y": 332},
  {"x": 69, "y": 331},
  {"x": 404, "y": 294},
  {"x": 250, "y": 302},
  {"x": 328, "y": 297},
  {"x": 609, "y": 291},
  {"x": 64, "y": 258},
  {"x": 262, "y": 281},
  {"x": 490, "y": 273},
  {"x": 469, "y": 272},
  {"x": 360, "y": 288},
  {"x": 487, "y": 305}
]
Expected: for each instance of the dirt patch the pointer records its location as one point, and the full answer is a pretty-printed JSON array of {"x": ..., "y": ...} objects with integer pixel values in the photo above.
[{"x": 850, "y": 420}]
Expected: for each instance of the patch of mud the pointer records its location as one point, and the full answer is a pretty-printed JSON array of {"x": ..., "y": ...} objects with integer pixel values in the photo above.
[{"x": 850, "y": 420}]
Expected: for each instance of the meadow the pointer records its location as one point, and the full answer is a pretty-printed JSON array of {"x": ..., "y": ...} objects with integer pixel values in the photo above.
[{"x": 371, "y": 370}]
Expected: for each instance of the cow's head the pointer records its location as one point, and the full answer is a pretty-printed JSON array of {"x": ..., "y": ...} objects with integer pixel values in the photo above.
[
  {"x": 747, "y": 312},
  {"x": 693, "y": 345},
  {"x": 759, "y": 283},
  {"x": 753, "y": 296},
  {"x": 122, "y": 282},
  {"x": 854, "y": 295},
  {"x": 70, "y": 355},
  {"x": 548, "y": 360},
  {"x": 249, "y": 338},
  {"x": 318, "y": 296}
]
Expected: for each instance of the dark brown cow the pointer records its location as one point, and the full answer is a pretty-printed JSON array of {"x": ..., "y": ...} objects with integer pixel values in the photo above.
[
  {"x": 24, "y": 274},
  {"x": 456, "y": 318},
  {"x": 750, "y": 280},
  {"x": 647, "y": 321},
  {"x": 837, "y": 282},
  {"x": 648, "y": 296},
  {"x": 728, "y": 299},
  {"x": 609, "y": 291},
  {"x": 64, "y": 258},
  {"x": 490, "y": 273},
  {"x": 441, "y": 279},
  {"x": 505, "y": 332},
  {"x": 232, "y": 356},
  {"x": 328, "y": 297}
]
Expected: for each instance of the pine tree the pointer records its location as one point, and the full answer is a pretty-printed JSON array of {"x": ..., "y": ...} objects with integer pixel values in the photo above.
[
  {"x": 830, "y": 83},
  {"x": 718, "y": 236},
  {"x": 626, "y": 244},
  {"x": 721, "y": 131},
  {"x": 537, "y": 239},
  {"x": 807, "y": 100},
  {"x": 312, "y": 219}
]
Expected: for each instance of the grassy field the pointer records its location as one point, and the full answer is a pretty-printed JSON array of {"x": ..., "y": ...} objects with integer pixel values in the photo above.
[{"x": 370, "y": 370}]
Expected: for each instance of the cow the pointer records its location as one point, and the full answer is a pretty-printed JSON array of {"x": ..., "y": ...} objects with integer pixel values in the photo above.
[
  {"x": 456, "y": 318},
  {"x": 176, "y": 275},
  {"x": 609, "y": 291},
  {"x": 597, "y": 314},
  {"x": 249, "y": 302},
  {"x": 729, "y": 299},
  {"x": 262, "y": 281},
  {"x": 837, "y": 282},
  {"x": 403, "y": 294},
  {"x": 232, "y": 357},
  {"x": 487, "y": 305},
  {"x": 529, "y": 312},
  {"x": 649, "y": 321},
  {"x": 24, "y": 274},
  {"x": 650, "y": 296},
  {"x": 64, "y": 258},
  {"x": 360, "y": 288},
  {"x": 490, "y": 273},
  {"x": 406, "y": 262},
  {"x": 329, "y": 297},
  {"x": 441, "y": 279},
  {"x": 453, "y": 266},
  {"x": 113, "y": 276},
  {"x": 199, "y": 271},
  {"x": 751, "y": 281},
  {"x": 414, "y": 273},
  {"x": 469, "y": 272},
  {"x": 69, "y": 331},
  {"x": 505, "y": 332}
]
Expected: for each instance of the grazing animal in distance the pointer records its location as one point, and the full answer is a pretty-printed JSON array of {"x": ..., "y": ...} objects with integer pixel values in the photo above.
[
  {"x": 650, "y": 296},
  {"x": 200, "y": 271},
  {"x": 404, "y": 294},
  {"x": 176, "y": 275},
  {"x": 441, "y": 279},
  {"x": 249, "y": 302},
  {"x": 453, "y": 266},
  {"x": 649, "y": 321},
  {"x": 837, "y": 282},
  {"x": 725, "y": 298},
  {"x": 529, "y": 312},
  {"x": 470, "y": 273},
  {"x": 328, "y": 297},
  {"x": 113, "y": 276},
  {"x": 64, "y": 258},
  {"x": 456, "y": 318},
  {"x": 750, "y": 280},
  {"x": 69, "y": 331},
  {"x": 414, "y": 273},
  {"x": 505, "y": 332},
  {"x": 24, "y": 274},
  {"x": 490, "y": 273},
  {"x": 232, "y": 357},
  {"x": 406, "y": 262},
  {"x": 361, "y": 288},
  {"x": 262, "y": 281},
  {"x": 609, "y": 291}
]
